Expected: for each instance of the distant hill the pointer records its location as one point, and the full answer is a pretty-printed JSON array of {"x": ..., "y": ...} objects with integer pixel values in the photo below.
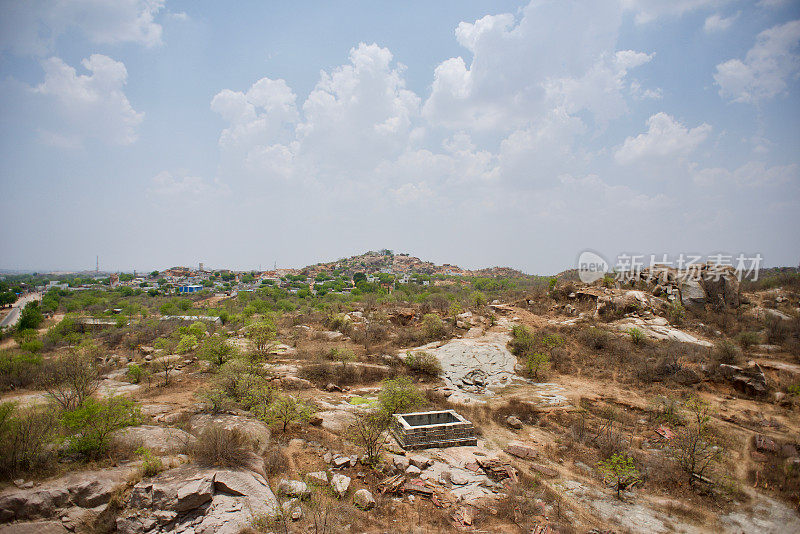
[{"x": 386, "y": 260}]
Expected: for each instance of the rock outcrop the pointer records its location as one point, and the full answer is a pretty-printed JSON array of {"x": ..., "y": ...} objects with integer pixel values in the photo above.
[{"x": 195, "y": 499}]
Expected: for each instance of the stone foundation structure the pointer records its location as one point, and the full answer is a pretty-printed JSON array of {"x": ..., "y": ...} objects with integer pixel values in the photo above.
[{"x": 424, "y": 430}]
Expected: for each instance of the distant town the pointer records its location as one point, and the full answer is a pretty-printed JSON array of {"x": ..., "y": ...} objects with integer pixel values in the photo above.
[{"x": 374, "y": 271}]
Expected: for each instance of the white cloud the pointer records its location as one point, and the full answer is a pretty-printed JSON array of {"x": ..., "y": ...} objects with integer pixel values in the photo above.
[
  {"x": 718, "y": 23},
  {"x": 33, "y": 27},
  {"x": 412, "y": 193},
  {"x": 640, "y": 93},
  {"x": 766, "y": 69},
  {"x": 92, "y": 105},
  {"x": 167, "y": 184},
  {"x": 650, "y": 10},
  {"x": 556, "y": 54},
  {"x": 357, "y": 115},
  {"x": 771, "y": 4},
  {"x": 751, "y": 174},
  {"x": 260, "y": 115},
  {"x": 665, "y": 138},
  {"x": 58, "y": 140},
  {"x": 613, "y": 197}
]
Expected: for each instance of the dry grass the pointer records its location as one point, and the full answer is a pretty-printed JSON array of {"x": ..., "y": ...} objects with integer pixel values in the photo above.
[{"x": 220, "y": 447}]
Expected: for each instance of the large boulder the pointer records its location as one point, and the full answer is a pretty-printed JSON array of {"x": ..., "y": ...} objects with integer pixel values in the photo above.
[
  {"x": 721, "y": 287},
  {"x": 340, "y": 483},
  {"x": 294, "y": 382},
  {"x": 86, "y": 489},
  {"x": 181, "y": 489},
  {"x": 205, "y": 500},
  {"x": 294, "y": 488},
  {"x": 364, "y": 499}
]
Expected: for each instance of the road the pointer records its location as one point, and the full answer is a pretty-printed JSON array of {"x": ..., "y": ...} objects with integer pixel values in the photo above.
[{"x": 13, "y": 316}]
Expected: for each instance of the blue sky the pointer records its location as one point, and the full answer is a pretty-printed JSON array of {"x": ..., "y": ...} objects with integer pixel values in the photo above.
[{"x": 480, "y": 133}]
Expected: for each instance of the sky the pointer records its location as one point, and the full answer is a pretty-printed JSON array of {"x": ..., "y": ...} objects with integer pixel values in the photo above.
[{"x": 154, "y": 133}]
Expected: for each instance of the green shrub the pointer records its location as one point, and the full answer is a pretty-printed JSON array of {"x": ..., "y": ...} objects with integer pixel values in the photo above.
[
  {"x": 216, "y": 350},
  {"x": 433, "y": 327},
  {"x": 68, "y": 326},
  {"x": 637, "y": 336},
  {"x": 537, "y": 363},
  {"x": 727, "y": 352},
  {"x": 186, "y": 344},
  {"x": 151, "y": 464},
  {"x": 748, "y": 339},
  {"x": 33, "y": 346},
  {"x": 676, "y": 312},
  {"x": 399, "y": 395},
  {"x": 340, "y": 322},
  {"x": 26, "y": 437},
  {"x": 197, "y": 329},
  {"x": 550, "y": 340},
  {"x": 215, "y": 398},
  {"x": 18, "y": 370},
  {"x": 135, "y": 373},
  {"x": 424, "y": 363},
  {"x": 92, "y": 423},
  {"x": 522, "y": 340},
  {"x": 286, "y": 410}
]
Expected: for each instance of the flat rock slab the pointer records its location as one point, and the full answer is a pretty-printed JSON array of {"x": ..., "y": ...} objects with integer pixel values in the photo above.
[
  {"x": 521, "y": 450},
  {"x": 476, "y": 364},
  {"x": 34, "y": 527},
  {"x": 659, "y": 329},
  {"x": 86, "y": 489},
  {"x": 160, "y": 440}
]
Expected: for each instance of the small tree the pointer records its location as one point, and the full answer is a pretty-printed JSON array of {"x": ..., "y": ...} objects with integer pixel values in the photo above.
[
  {"x": 216, "y": 350},
  {"x": 693, "y": 446},
  {"x": 198, "y": 329},
  {"x": 399, "y": 395},
  {"x": 262, "y": 335},
  {"x": 368, "y": 430},
  {"x": 620, "y": 470},
  {"x": 536, "y": 363},
  {"x": 186, "y": 344},
  {"x": 31, "y": 316},
  {"x": 286, "y": 410},
  {"x": 165, "y": 365}
]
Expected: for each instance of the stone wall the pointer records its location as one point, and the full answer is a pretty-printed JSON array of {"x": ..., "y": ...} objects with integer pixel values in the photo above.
[{"x": 457, "y": 432}]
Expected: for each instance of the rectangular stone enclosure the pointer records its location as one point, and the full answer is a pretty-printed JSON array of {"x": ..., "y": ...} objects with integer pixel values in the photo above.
[{"x": 425, "y": 430}]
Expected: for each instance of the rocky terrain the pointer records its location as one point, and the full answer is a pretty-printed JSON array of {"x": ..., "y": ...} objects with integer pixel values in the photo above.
[{"x": 260, "y": 433}]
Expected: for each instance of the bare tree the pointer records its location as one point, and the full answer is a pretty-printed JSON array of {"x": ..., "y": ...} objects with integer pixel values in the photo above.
[
  {"x": 72, "y": 378},
  {"x": 166, "y": 365}
]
